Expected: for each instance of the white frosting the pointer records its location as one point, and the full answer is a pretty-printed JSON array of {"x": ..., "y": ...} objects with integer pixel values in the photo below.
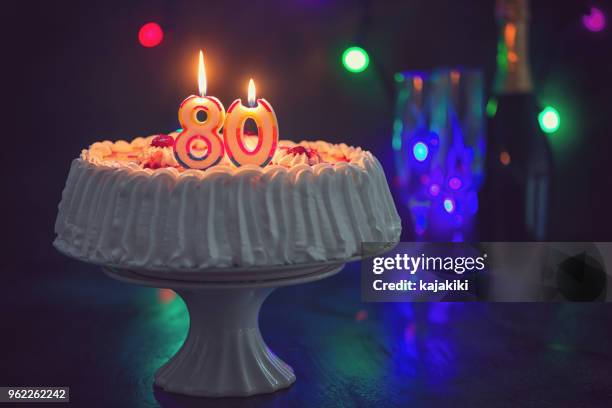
[
  {"x": 163, "y": 155},
  {"x": 118, "y": 212}
]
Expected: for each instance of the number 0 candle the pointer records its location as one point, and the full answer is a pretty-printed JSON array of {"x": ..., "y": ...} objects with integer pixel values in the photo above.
[
  {"x": 199, "y": 145},
  {"x": 267, "y": 131}
]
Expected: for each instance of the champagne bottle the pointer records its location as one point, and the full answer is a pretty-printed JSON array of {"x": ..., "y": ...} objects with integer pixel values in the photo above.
[{"x": 515, "y": 197}]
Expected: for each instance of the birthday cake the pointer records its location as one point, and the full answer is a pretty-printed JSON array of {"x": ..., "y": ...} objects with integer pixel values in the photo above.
[{"x": 132, "y": 204}]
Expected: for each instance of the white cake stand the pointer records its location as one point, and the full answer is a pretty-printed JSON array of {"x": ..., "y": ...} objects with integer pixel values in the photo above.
[{"x": 224, "y": 354}]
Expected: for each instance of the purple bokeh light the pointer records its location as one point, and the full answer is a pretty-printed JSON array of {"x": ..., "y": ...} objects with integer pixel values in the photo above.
[
  {"x": 455, "y": 183},
  {"x": 595, "y": 21}
]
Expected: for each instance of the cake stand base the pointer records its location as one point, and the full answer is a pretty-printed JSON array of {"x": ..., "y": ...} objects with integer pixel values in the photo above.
[{"x": 224, "y": 354}]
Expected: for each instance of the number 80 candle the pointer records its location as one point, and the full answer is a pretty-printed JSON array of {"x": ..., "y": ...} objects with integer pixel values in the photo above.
[
  {"x": 267, "y": 131},
  {"x": 188, "y": 152}
]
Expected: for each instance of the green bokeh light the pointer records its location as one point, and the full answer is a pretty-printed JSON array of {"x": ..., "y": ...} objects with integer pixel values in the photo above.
[
  {"x": 396, "y": 141},
  {"x": 491, "y": 108},
  {"x": 549, "y": 119},
  {"x": 355, "y": 59}
]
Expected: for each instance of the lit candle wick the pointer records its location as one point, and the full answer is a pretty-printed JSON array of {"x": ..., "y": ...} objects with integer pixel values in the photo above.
[
  {"x": 251, "y": 97},
  {"x": 201, "y": 76}
]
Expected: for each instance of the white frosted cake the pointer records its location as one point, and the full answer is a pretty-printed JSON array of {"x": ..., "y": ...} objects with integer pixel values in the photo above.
[{"x": 132, "y": 204}]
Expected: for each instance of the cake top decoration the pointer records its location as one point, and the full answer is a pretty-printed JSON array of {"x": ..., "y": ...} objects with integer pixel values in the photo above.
[
  {"x": 156, "y": 152},
  {"x": 219, "y": 138}
]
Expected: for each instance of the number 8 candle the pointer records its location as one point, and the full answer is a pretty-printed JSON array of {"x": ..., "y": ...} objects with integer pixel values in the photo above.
[
  {"x": 194, "y": 130},
  {"x": 267, "y": 131}
]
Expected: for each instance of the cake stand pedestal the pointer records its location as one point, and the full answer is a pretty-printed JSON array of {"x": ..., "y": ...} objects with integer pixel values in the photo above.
[{"x": 224, "y": 354}]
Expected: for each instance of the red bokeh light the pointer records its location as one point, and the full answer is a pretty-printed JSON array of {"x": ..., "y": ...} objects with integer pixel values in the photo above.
[
  {"x": 165, "y": 295},
  {"x": 150, "y": 35},
  {"x": 361, "y": 315}
]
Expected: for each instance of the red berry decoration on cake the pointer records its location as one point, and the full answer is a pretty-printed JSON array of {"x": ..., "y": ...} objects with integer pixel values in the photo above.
[
  {"x": 160, "y": 153},
  {"x": 310, "y": 153},
  {"x": 297, "y": 150},
  {"x": 289, "y": 156},
  {"x": 162, "y": 141}
]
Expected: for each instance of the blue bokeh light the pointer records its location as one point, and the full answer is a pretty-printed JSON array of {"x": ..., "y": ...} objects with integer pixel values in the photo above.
[
  {"x": 420, "y": 151},
  {"x": 449, "y": 205}
]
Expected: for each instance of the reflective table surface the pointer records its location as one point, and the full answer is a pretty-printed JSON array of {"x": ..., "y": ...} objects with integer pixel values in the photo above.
[{"x": 68, "y": 324}]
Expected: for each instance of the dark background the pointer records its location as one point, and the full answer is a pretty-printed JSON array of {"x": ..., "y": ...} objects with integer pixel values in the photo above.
[
  {"x": 77, "y": 74},
  {"x": 74, "y": 73}
]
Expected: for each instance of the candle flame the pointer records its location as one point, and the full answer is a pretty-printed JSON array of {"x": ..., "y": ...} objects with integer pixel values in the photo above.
[
  {"x": 201, "y": 75},
  {"x": 251, "y": 97}
]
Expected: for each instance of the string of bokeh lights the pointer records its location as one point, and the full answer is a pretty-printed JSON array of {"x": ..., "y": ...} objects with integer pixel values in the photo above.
[{"x": 355, "y": 59}]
